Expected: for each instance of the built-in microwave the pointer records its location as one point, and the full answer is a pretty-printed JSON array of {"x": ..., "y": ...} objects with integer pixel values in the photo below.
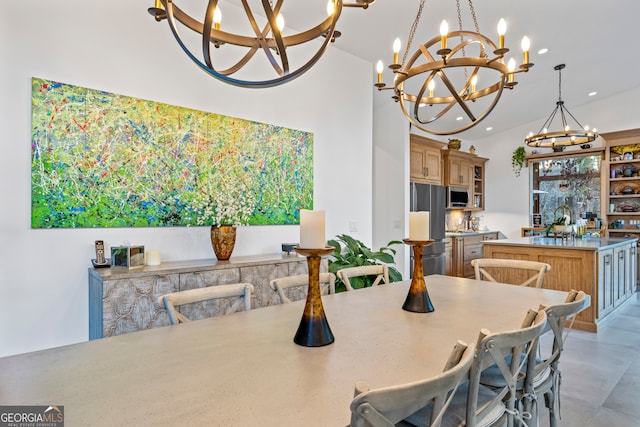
[{"x": 457, "y": 197}]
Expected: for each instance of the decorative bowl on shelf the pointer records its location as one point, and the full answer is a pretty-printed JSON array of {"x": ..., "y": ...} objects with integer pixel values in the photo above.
[{"x": 627, "y": 190}]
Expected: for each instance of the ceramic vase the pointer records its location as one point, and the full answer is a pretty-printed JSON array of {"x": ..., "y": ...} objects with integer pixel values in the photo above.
[{"x": 223, "y": 240}]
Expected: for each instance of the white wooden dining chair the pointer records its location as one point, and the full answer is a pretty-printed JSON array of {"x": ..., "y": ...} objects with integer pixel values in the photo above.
[
  {"x": 475, "y": 404},
  {"x": 546, "y": 378},
  {"x": 284, "y": 285},
  {"x": 380, "y": 271},
  {"x": 543, "y": 375},
  {"x": 223, "y": 293},
  {"x": 389, "y": 406},
  {"x": 514, "y": 271}
]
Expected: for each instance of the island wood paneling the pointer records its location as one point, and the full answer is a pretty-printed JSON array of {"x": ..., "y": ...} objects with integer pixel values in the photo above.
[{"x": 570, "y": 269}]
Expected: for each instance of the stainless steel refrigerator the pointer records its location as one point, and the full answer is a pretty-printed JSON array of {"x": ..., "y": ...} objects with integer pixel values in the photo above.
[{"x": 432, "y": 198}]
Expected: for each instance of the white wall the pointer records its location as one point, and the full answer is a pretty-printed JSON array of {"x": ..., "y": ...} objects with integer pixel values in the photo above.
[
  {"x": 390, "y": 180},
  {"x": 507, "y": 196},
  {"x": 117, "y": 47}
]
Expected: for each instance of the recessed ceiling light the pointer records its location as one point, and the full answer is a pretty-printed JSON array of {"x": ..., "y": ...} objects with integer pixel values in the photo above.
[
  {"x": 593, "y": 93},
  {"x": 459, "y": 118},
  {"x": 543, "y": 51},
  {"x": 489, "y": 128}
]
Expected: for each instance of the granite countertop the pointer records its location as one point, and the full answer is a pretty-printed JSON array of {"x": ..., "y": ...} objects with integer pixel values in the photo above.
[{"x": 594, "y": 244}]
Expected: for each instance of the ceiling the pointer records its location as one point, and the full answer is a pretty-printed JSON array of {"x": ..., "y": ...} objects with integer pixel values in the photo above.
[{"x": 594, "y": 39}]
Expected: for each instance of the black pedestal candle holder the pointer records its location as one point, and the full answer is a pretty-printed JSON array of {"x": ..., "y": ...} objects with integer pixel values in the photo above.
[
  {"x": 418, "y": 300},
  {"x": 314, "y": 330}
]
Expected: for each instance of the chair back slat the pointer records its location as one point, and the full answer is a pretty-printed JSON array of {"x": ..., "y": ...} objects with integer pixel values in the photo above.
[
  {"x": 380, "y": 271},
  {"x": 510, "y": 271},
  {"x": 242, "y": 291},
  {"x": 389, "y": 405},
  {"x": 281, "y": 284},
  {"x": 493, "y": 349}
]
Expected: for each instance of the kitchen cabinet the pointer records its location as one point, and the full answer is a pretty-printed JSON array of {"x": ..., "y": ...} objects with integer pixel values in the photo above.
[
  {"x": 621, "y": 173},
  {"x": 425, "y": 160},
  {"x": 466, "y": 170},
  {"x": 467, "y": 248},
  {"x": 448, "y": 257},
  {"x": 123, "y": 301},
  {"x": 605, "y": 269},
  {"x": 616, "y": 277},
  {"x": 458, "y": 168},
  {"x": 477, "y": 193},
  {"x": 605, "y": 280}
]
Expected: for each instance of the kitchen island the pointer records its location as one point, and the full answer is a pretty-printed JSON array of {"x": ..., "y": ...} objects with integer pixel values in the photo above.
[{"x": 604, "y": 268}]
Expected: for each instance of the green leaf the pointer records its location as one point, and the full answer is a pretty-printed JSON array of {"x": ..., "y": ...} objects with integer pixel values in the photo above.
[{"x": 350, "y": 252}]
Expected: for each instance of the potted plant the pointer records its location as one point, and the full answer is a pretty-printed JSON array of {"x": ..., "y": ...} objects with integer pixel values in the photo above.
[
  {"x": 562, "y": 223},
  {"x": 350, "y": 252},
  {"x": 517, "y": 160},
  {"x": 224, "y": 204}
]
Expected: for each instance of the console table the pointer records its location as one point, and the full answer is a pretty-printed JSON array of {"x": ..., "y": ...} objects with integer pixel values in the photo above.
[{"x": 123, "y": 301}]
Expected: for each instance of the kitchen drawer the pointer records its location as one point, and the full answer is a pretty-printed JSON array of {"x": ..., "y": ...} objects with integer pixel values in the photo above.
[
  {"x": 473, "y": 240},
  {"x": 490, "y": 236},
  {"x": 471, "y": 252}
]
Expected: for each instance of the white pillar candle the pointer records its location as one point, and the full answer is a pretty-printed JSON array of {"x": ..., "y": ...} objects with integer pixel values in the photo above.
[
  {"x": 153, "y": 257},
  {"x": 312, "y": 234},
  {"x": 419, "y": 225}
]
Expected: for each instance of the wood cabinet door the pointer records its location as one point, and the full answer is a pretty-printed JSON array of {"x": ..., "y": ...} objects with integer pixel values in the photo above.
[
  {"x": 417, "y": 161},
  {"x": 460, "y": 172},
  {"x": 605, "y": 279},
  {"x": 448, "y": 259},
  {"x": 620, "y": 274},
  {"x": 633, "y": 269},
  {"x": 425, "y": 164}
]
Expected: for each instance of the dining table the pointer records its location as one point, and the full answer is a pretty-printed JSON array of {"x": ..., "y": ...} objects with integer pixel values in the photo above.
[{"x": 244, "y": 369}]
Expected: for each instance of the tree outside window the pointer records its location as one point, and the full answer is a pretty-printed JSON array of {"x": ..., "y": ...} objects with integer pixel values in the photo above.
[{"x": 573, "y": 182}]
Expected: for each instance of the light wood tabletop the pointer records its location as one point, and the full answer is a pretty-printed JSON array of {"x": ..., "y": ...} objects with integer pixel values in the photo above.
[{"x": 245, "y": 370}]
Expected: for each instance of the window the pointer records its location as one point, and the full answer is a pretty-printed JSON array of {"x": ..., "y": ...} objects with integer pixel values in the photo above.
[{"x": 566, "y": 183}]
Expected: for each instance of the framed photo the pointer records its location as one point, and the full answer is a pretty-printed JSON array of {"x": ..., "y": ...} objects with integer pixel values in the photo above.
[{"x": 536, "y": 220}]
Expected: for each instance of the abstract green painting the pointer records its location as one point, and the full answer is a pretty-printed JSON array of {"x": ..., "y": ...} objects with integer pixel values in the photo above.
[{"x": 100, "y": 159}]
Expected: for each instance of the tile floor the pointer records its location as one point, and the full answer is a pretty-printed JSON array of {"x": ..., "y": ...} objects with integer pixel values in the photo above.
[{"x": 601, "y": 374}]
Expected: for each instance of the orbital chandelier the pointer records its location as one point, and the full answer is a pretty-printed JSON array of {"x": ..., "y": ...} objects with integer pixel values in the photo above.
[
  {"x": 443, "y": 80},
  {"x": 262, "y": 43},
  {"x": 568, "y": 134}
]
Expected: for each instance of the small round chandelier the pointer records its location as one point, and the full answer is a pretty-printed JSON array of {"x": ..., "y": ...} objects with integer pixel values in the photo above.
[
  {"x": 262, "y": 43},
  {"x": 568, "y": 134},
  {"x": 443, "y": 79}
]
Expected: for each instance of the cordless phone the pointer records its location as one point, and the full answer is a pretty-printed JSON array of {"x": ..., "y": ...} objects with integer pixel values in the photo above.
[{"x": 100, "y": 252}]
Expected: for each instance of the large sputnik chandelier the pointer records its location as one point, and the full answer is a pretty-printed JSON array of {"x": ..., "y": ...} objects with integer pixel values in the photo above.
[
  {"x": 570, "y": 133},
  {"x": 444, "y": 80},
  {"x": 261, "y": 36}
]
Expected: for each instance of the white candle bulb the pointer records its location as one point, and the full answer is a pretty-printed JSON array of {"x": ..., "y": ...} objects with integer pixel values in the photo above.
[
  {"x": 502, "y": 29},
  {"x": 379, "y": 70},
  {"x": 526, "y": 45},
  {"x": 217, "y": 18},
  {"x": 280, "y": 22},
  {"x": 396, "y": 50},
  {"x": 444, "y": 30},
  {"x": 331, "y": 7}
]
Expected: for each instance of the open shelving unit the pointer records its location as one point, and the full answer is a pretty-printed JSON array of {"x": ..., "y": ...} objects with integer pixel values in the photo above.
[{"x": 623, "y": 185}]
